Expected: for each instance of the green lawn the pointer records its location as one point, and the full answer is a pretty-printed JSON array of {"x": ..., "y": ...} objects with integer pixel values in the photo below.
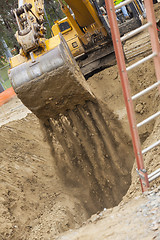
[
  {"x": 4, "y": 77},
  {"x": 7, "y": 84}
]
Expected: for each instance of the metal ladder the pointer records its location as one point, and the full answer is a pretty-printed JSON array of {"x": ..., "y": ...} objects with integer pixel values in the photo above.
[{"x": 117, "y": 42}]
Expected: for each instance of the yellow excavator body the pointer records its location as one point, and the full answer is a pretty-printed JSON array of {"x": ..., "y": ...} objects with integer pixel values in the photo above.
[
  {"x": 65, "y": 27},
  {"x": 44, "y": 74}
]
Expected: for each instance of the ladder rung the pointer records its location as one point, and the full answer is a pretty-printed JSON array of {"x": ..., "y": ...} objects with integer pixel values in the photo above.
[
  {"x": 154, "y": 175},
  {"x": 150, "y": 147},
  {"x": 134, "y": 32},
  {"x": 146, "y": 90},
  {"x": 123, "y": 4},
  {"x": 141, "y": 61},
  {"x": 148, "y": 119}
]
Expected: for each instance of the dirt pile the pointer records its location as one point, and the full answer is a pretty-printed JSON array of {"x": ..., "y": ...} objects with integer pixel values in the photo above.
[
  {"x": 90, "y": 149},
  {"x": 29, "y": 184},
  {"x": 12, "y": 111},
  {"x": 31, "y": 190},
  {"x": 84, "y": 156},
  {"x": 151, "y": 160},
  {"x": 43, "y": 194},
  {"x": 106, "y": 85},
  {"x": 46, "y": 189},
  {"x": 136, "y": 219}
]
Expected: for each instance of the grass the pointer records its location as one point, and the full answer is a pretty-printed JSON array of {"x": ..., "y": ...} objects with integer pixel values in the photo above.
[
  {"x": 4, "y": 77},
  {"x": 7, "y": 84}
]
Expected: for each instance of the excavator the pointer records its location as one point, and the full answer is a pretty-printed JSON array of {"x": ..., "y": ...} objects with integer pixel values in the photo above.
[{"x": 48, "y": 74}]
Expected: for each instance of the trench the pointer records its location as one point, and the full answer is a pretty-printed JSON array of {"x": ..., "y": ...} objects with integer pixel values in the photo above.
[{"x": 92, "y": 155}]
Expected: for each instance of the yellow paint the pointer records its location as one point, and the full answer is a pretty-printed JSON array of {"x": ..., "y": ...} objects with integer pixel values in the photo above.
[
  {"x": 55, "y": 29},
  {"x": 93, "y": 13},
  {"x": 138, "y": 7},
  {"x": 17, "y": 60},
  {"x": 74, "y": 24},
  {"x": 82, "y": 15},
  {"x": 85, "y": 14},
  {"x": 70, "y": 35},
  {"x": 52, "y": 42}
]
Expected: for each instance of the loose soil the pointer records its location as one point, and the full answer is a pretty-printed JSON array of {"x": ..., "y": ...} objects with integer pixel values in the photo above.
[{"x": 55, "y": 175}]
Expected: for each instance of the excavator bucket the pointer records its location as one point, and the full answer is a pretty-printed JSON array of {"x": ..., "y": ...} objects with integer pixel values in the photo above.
[{"x": 51, "y": 84}]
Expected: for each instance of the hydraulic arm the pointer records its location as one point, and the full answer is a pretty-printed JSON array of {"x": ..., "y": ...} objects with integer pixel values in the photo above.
[{"x": 31, "y": 32}]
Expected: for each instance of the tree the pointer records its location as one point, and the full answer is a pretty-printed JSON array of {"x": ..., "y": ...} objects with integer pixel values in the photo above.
[
  {"x": 7, "y": 25},
  {"x": 54, "y": 12}
]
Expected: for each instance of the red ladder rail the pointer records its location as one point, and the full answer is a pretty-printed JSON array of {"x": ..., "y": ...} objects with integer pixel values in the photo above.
[{"x": 125, "y": 82}]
